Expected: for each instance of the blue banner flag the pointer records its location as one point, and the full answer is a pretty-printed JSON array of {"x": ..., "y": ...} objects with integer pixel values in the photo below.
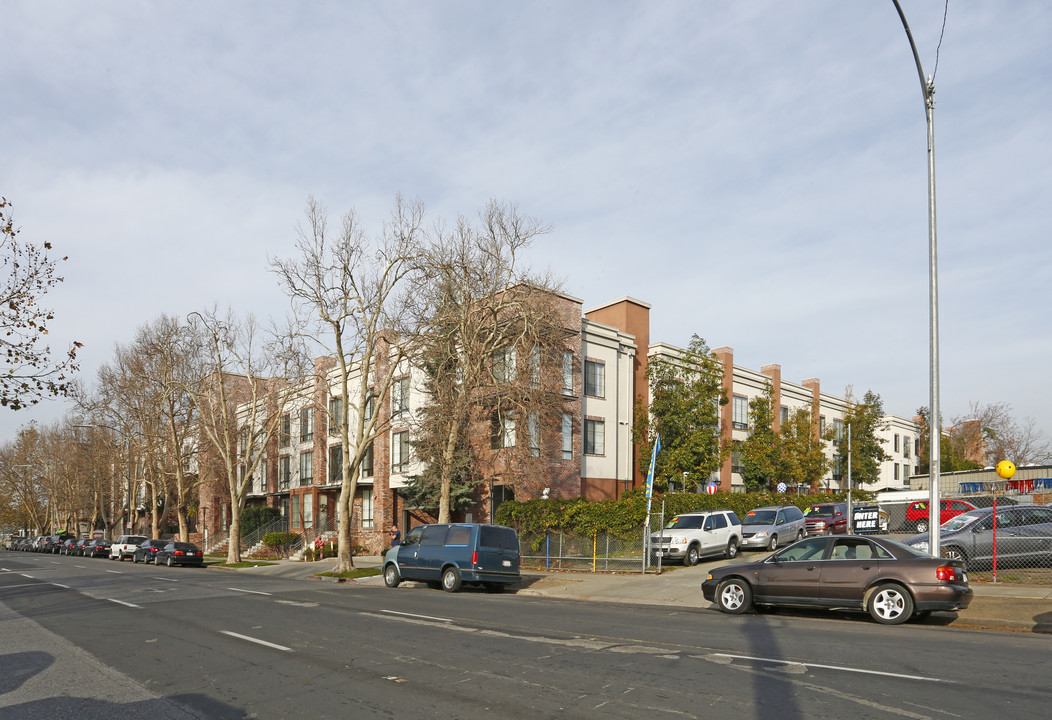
[{"x": 650, "y": 475}]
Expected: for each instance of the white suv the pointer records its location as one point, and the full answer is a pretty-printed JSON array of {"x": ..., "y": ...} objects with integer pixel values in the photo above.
[
  {"x": 692, "y": 536},
  {"x": 125, "y": 546}
]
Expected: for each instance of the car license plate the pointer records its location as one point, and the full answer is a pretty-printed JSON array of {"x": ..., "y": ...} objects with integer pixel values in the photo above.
[
  {"x": 506, "y": 563},
  {"x": 964, "y": 577}
]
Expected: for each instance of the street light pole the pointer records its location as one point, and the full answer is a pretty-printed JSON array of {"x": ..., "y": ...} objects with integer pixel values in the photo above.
[{"x": 934, "y": 418}]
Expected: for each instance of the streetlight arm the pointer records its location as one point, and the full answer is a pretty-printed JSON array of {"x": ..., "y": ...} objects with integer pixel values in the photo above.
[{"x": 927, "y": 86}]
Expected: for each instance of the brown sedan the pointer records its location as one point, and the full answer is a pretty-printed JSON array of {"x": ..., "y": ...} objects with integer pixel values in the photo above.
[{"x": 889, "y": 580}]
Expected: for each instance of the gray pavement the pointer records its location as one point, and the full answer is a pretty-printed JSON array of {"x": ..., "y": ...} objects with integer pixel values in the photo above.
[{"x": 996, "y": 606}]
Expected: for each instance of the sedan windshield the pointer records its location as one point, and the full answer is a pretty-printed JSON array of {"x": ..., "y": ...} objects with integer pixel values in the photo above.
[{"x": 761, "y": 517}]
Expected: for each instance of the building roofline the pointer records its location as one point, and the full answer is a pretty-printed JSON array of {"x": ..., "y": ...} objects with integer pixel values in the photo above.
[{"x": 623, "y": 298}]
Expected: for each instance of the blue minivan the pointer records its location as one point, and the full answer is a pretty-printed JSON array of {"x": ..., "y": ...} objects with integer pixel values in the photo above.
[{"x": 447, "y": 555}]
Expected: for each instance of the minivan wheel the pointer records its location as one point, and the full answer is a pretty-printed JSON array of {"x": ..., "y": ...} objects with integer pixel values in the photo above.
[
  {"x": 691, "y": 558},
  {"x": 733, "y": 596},
  {"x": 773, "y": 545},
  {"x": 732, "y": 549},
  {"x": 890, "y": 604},
  {"x": 451, "y": 581},
  {"x": 921, "y": 525},
  {"x": 391, "y": 577}
]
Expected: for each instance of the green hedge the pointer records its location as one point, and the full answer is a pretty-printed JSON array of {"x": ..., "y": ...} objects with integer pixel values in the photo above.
[{"x": 624, "y": 517}]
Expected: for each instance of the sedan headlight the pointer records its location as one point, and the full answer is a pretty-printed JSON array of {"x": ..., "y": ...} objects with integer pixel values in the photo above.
[{"x": 763, "y": 534}]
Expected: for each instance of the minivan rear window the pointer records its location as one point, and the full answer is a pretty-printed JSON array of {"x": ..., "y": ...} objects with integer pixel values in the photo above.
[{"x": 499, "y": 537}]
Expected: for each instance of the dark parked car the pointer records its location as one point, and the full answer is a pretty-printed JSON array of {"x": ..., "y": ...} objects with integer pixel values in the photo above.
[
  {"x": 1024, "y": 537},
  {"x": 889, "y": 580},
  {"x": 81, "y": 545},
  {"x": 98, "y": 548},
  {"x": 448, "y": 555},
  {"x": 147, "y": 550},
  {"x": 179, "y": 553},
  {"x": 66, "y": 548},
  {"x": 826, "y": 519},
  {"x": 53, "y": 543}
]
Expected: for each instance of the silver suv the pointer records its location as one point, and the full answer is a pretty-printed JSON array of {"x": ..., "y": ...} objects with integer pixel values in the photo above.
[
  {"x": 125, "y": 546},
  {"x": 692, "y": 536}
]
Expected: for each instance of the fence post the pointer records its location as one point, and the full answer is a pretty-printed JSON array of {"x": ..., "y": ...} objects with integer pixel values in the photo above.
[{"x": 595, "y": 540}]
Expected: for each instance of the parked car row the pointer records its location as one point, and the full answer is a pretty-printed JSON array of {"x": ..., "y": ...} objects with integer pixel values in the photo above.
[{"x": 167, "y": 552}]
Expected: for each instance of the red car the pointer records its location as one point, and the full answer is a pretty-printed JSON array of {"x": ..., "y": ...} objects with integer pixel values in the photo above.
[{"x": 917, "y": 512}]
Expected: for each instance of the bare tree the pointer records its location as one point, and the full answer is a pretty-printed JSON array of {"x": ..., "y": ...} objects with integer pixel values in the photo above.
[
  {"x": 990, "y": 433},
  {"x": 349, "y": 293},
  {"x": 27, "y": 273},
  {"x": 493, "y": 336},
  {"x": 22, "y": 478},
  {"x": 249, "y": 383}
]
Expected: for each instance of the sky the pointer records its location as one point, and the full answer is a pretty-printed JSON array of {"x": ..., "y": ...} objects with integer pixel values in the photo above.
[{"x": 755, "y": 170}]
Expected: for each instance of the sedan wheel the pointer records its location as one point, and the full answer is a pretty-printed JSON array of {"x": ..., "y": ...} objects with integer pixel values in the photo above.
[
  {"x": 391, "y": 578},
  {"x": 733, "y": 596},
  {"x": 170, "y": 562},
  {"x": 890, "y": 604},
  {"x": 922, "y": 526}
]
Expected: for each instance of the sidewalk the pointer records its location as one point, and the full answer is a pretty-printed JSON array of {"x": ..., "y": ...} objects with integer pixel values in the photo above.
[{"x": 999, "y": 606}]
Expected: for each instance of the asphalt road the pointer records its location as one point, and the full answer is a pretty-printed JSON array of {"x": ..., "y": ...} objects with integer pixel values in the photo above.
[{"x": 126, "y": 641}]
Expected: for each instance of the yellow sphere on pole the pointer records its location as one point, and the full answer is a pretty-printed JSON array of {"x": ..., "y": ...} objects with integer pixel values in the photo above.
[{"x": 1005, "y": 469}]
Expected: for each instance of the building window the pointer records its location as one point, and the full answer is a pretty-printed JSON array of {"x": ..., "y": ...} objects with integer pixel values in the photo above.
[
  {"x": 306, "y": 424},
  {"x": 336, "y": 417},
  {"x": 367, "y": 507},
  {"x": 594, "y": 437},
  {"x": 400, "y": 451},
  {"x": 736, "y": 460},
  {"x": 838, "y": 430},
  {"x": 906, "y": 472},
  {"x": 567, "y": 372},
  {"x": 785, "y": 414},
  {"x": 285, "y": 430},
  {"x": 896, "y": 444},
  {"x": 905, "y": 447},
  {"x": 535, "y": 367},
  {"x": 400, "y": 397},
  {"x": 594, "y": 379},
  {"x": 284, "y": 472},
  {"x": 261, "y": 479},
  {"x": 297, "y": 516},
  {"x": 534, "y": 429},
  {"x": 335, "y": 464},
  {"x": 308, "y": 511},
  {"x": 740, "y": 413},
  {"x": 821, "y": 424},
  {"x": 567, "y": 436},
  {"x": 504, "y": 365},
  {"x": 502, "y": 430},
  {"x": 896, "y": 472},
  {"x": 370, "y": 406},
  {"x": 367, "y": 461},
  {"x": 306, "y": 468}
]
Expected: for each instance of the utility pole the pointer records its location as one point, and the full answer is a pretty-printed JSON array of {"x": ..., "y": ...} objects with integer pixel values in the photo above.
[{"x": 934, "y": 419}]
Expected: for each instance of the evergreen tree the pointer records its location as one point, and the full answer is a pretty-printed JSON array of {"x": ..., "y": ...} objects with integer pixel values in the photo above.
[{"x": 686, "y": 393}]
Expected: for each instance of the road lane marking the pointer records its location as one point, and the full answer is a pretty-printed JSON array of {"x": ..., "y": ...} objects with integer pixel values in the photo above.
[
  {"x": 257, "y": 640},
  {"x": 126, "y": 604},
  {"x": 166, "y": 579},
  {"x": 9, "y": 587},
  {"x": 60, "y": 585},
  {"x": 115, "y": 572},
  {"x": 254, "y": 592},
  {"x": 422, "y": 617},
  {"x": 776, "y": 661},
  {"x": 27, "y": 576}
]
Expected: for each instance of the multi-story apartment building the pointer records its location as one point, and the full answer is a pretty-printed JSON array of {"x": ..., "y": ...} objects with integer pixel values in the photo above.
[{"x": 587, "y": 451}]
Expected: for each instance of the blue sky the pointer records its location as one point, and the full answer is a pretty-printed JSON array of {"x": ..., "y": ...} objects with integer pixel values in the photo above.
[{"x": 754, "y": 170}]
